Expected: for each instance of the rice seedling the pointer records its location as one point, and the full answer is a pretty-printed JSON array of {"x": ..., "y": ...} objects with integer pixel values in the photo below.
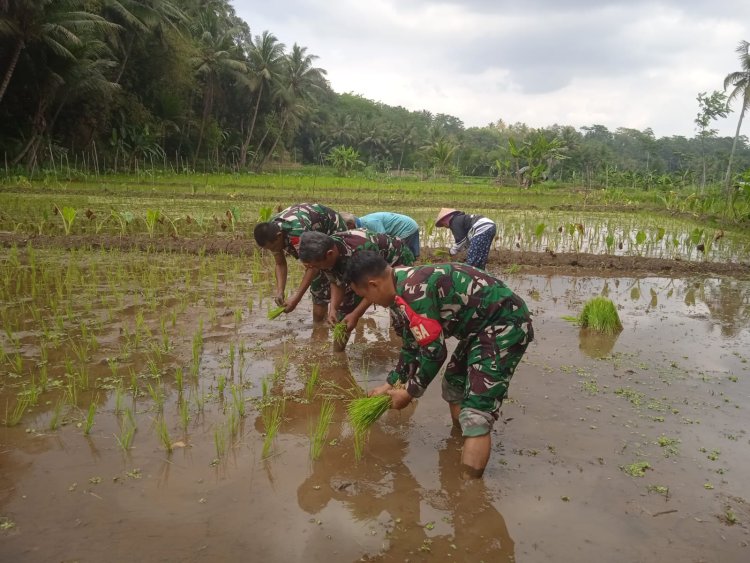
[
  {"x": 363, "y": 412},
  {"x": 119, "y": 397},
  {"x": 319, "y": 433},
  {"x": 157, "y": 396},
  {"x": 340, "y": 333},
  {"x": 179, "y": 377},
  {"x": 163, "y": 432},
  {"x": 312, "y": 381},
  {"x": 54, "y": 421},
  {"x": 238, "y": 399},
  {"x": 600, "y": 314},
  {"x": 220, "y": 441},
  {"x": 275, "y": 312},
  {"x": 127, "y": 431},
  {"x": 184, "y": 409},
  {"x": 88, "y": 422},
  {"x": 272, "y": 415},
  {"x": 221, "y": 385},
  {"x": 13, "y": 417}
]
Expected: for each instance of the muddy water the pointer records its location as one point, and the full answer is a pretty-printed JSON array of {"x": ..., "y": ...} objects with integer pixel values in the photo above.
[{"x": 581, "y": 409}]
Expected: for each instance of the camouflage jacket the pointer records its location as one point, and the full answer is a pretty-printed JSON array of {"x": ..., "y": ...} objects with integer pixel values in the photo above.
[
  {"x": 297, "y": 219},
  {"x": 438, "y": 301},
  {"x": 392, "y": 249}
]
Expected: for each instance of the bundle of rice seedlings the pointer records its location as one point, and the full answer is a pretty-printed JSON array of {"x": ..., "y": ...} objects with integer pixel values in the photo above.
[
  {"x": 273, "y": 313},
  {"x": 600, "y": 314},
  {"x": 363, "y": 412},
  {"x": 441, "y": 252},
  {"x": 339, "y": 333}
]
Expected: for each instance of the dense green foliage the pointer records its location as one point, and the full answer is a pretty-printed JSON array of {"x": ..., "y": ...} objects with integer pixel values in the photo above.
[{"x": 123, "y": 85}]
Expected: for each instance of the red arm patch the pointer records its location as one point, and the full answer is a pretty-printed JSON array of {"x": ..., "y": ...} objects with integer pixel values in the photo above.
[{"x": 424, "y": 329}]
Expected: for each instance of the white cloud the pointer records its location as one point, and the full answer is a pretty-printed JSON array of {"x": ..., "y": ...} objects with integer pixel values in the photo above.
[{"x": 630, "y": 64}]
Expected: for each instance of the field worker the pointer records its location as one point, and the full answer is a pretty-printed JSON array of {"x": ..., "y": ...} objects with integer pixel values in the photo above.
[
  {"x": 393, "y": 224},
  {"x": 475, "y": 230},
  {"x": 491, "y": 323},
  {"x": 281, "y": 235},
  {"x": 330, "y": 254}
]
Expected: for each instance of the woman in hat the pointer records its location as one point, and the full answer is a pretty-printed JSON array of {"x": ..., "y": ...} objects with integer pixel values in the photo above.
[{"x": 475, "y": 230}]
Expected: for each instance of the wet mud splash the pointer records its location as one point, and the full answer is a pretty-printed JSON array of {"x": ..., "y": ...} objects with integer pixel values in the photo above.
[{"x": 619, "y": 449}]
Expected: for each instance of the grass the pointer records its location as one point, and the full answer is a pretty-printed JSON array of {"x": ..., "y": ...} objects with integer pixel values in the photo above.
[
  {"x": 362, "y": 413},
  {"x": 600, "y": 314},
  {"x": 320, "y": 431}
]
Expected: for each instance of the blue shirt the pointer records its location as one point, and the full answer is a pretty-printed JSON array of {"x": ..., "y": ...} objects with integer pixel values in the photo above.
[{"x": 393, "y": 224}]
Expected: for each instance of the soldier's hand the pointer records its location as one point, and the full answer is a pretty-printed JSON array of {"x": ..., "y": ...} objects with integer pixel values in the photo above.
[
  {"x": 400, "y": 398},
  {"x": 351, "y": 321},
  {"x": 381, "y": 390},
  {"x": 291, "y": 305}
]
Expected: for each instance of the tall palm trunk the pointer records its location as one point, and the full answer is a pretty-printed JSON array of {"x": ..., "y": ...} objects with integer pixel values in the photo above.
[
  {"x": 246, "y": 142},
  {"x": 728, "y": 177},
  {"x": 208, "y": 101},
  {"x": 276, "y": 142},
  {"x": 11, "y": 67},
  {"x": 127, "y": 56}
]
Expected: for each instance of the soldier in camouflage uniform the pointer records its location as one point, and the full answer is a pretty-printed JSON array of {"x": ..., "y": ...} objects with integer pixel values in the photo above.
[
  {"x": 492, "y": 324},
  {"x": 330, "y": 254},
  {"x": 281, "y": 235}
]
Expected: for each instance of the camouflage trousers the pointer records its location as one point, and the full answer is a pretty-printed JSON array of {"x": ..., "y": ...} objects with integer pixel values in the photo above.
[
  {"x": 479, "y": 372},
  {"x": 320, "y": 289}
]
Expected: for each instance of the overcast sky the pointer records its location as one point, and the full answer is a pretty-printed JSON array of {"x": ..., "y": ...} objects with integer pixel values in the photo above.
[{"x": 628, "y": 63}]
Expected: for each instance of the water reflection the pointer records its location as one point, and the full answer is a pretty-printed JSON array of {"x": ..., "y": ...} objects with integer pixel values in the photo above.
[
  {"x": 382, "y": 488},
  {"x": 596, "y": 344}
]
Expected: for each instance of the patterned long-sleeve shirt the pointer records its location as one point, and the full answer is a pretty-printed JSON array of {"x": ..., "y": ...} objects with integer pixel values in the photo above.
[
  {"x": 458, "y": 301},
  {"x": 465, "y": 227},
  {"x": 392, "y": 249},
  {"x": 297, "y": 219}
]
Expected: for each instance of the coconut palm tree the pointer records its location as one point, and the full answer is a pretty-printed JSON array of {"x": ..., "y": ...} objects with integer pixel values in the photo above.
[
  {"x": 85, "y": 78},
  {"x": 266, "y": 57},
  {"x": 138, "y": 18},
  {"x": 217, "y": 55},
  {"x": 298, "y": 83},
  {"x": 740, "y": 83},
  {"x": 56, "y": 26}
]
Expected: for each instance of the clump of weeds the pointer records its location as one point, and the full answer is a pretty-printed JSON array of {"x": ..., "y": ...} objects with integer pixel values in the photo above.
[{"x": 637, "y": 469}]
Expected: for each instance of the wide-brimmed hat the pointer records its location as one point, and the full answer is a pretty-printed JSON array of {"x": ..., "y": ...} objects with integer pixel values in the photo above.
[{"x": 444, "y": 213}]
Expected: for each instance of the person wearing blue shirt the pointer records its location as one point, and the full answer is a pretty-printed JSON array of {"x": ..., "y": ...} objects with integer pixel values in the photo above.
[{"x": 392, "y": 224}]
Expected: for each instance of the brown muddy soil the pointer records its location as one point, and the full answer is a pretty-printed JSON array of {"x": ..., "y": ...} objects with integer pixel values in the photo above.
[
  {"x": 619, "y": 449},
  {"x": 532, "y": 262}
]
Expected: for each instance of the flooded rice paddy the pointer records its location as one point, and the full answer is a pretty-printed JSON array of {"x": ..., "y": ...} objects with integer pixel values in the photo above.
[{"x": 163, "y": 417}]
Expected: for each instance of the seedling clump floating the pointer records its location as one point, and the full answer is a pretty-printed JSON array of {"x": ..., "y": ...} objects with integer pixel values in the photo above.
[{"x": 600, "y": 314}]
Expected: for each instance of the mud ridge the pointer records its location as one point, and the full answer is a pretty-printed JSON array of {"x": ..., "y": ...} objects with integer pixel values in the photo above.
[{"x": 529, "y": 262}]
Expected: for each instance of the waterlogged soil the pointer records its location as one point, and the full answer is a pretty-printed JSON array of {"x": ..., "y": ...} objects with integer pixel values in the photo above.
[{"x": 626, "y": 448}]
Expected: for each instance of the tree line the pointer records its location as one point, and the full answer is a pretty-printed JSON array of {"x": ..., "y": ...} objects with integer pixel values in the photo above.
[{"x": 120, "y": 85}]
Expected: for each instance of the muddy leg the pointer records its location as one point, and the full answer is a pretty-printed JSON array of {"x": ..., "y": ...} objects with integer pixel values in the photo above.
[{"x": 319, "y": 312}]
